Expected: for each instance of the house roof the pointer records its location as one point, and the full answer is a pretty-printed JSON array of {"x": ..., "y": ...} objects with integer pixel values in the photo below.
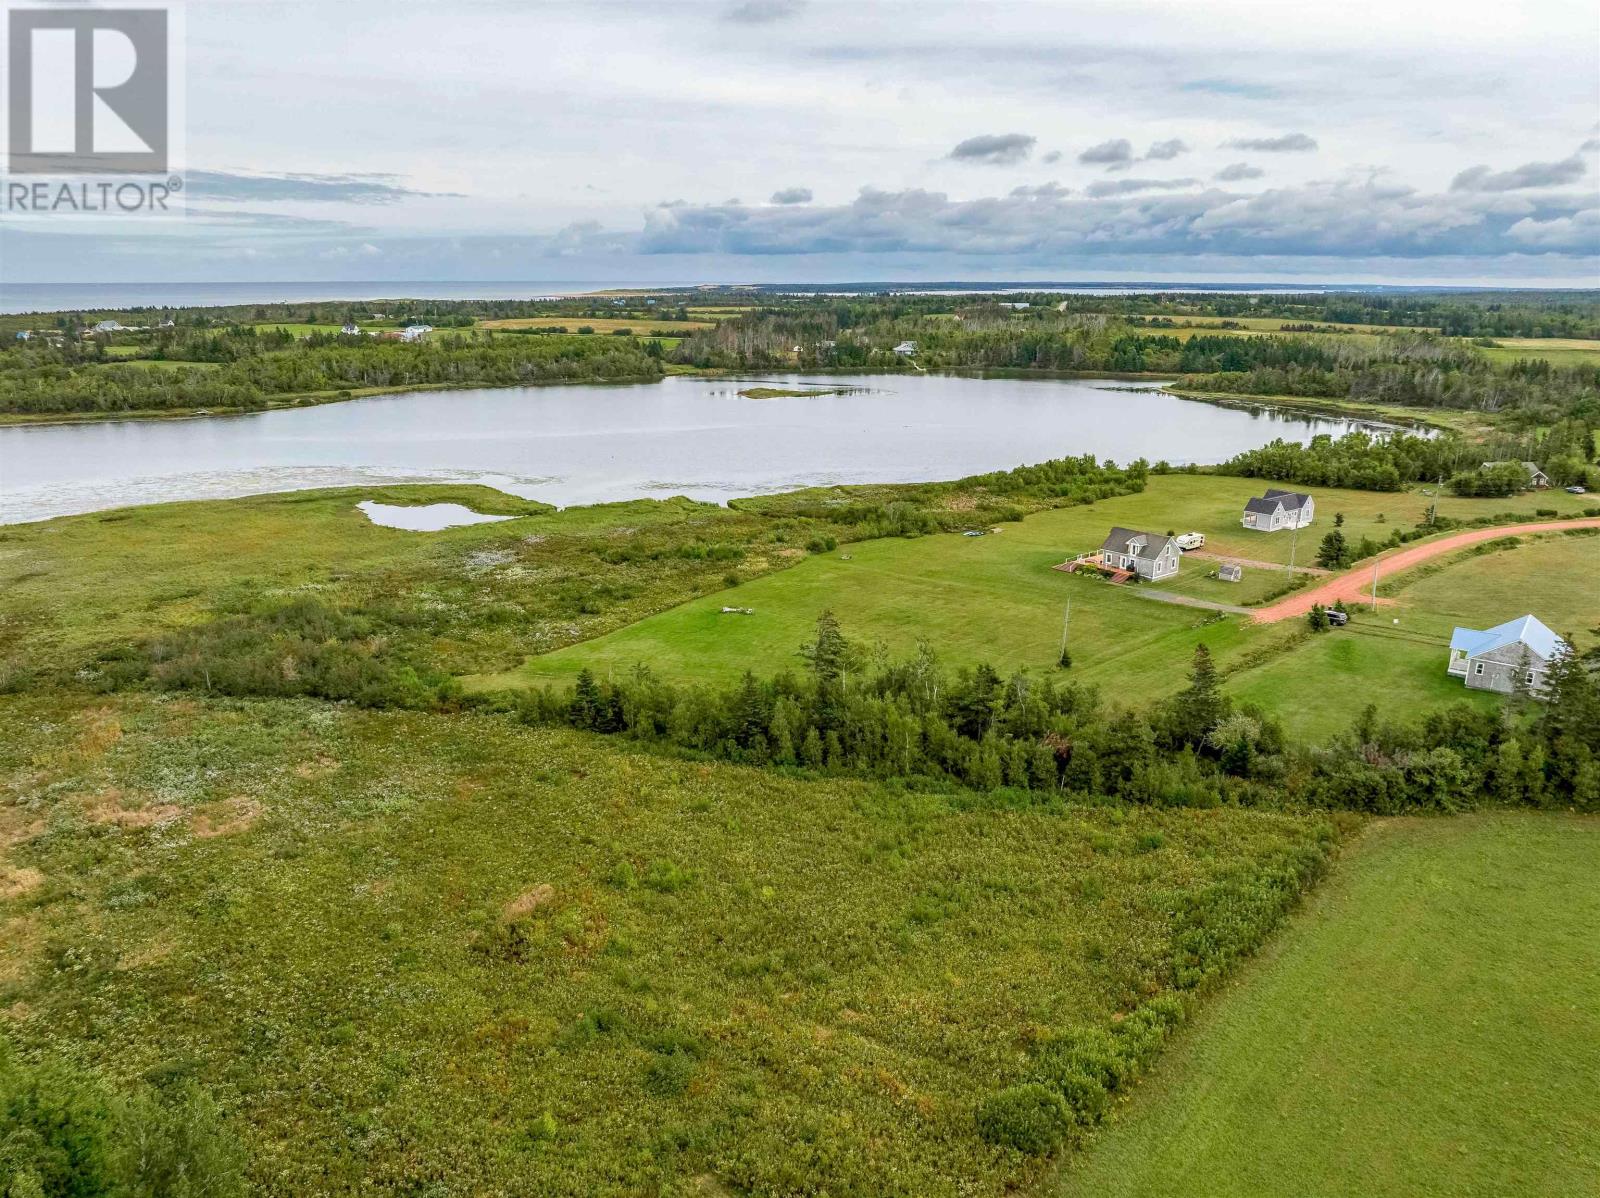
[
  {"x": 1526, "y": 629},
  {"x": 1296, "y": 499},
  {"x": 1531, "y": 467},
  {"x": 1117, "y": 542},
  {"x": 1264, "y": 507}
]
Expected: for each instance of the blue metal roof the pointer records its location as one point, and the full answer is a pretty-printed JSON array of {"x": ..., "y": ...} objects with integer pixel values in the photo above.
[{"x": 1526, "y": 629}]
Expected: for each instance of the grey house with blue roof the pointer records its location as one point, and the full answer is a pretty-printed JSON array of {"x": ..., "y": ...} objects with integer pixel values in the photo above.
[{"x": 1494, "y": 658}]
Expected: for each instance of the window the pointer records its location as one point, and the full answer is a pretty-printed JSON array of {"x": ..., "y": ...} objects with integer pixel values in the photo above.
[
  {"x": 1530, "y": 677},
  {"x": 1478, "y": 670}
]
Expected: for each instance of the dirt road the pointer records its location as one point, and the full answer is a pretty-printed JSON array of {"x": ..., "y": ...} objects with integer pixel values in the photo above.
[{"x": 1355, "y": 586}]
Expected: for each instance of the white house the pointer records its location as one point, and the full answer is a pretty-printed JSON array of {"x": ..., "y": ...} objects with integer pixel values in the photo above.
[
  {"x": 350, "y": 329},
  {"x": 906, "y": 348},
  {"x": 1279, "y": 509},
  {"x": 1147, "y": 554},
  {"x": 25, "y": 335},
  {"x": 415, "y": 332},
  {"x": 107, "y": 326},
  {"x": 1493, "y": 659},
  {"x": 1538, "y": 480}
]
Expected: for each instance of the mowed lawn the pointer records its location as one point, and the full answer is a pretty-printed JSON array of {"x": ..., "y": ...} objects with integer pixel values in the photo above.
[
  {"x": 1430, "y": 1026},
  {"x": 1396, "y": 657},
  {"x": 996, "y": 598}
]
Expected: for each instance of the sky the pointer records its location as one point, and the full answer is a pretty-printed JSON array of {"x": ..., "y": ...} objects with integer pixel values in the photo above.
[{"x": 812, "y": 141}]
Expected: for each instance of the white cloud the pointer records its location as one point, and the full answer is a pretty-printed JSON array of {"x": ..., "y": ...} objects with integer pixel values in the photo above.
[{"x": 559, "y": 149}]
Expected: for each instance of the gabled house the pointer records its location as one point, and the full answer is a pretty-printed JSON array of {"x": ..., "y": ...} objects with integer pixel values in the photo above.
[
  {"x": 108, "y": 326},
  {"x": 906, "y": 348},
  {"x": 1147, "y": 554},
  {"x": 1279, "y": 509},
  {"x": 1516, "y": 653},
  {"x": 350, "y": 329},
  {"x": 415, "y": 332},
  {"x": 1537, "y": 479}
]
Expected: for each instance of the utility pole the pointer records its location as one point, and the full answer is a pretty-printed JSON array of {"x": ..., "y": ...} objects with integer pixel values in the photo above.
[
  {"x": 1374, "y": 584},
  {"x": 1294, "y": 540}
]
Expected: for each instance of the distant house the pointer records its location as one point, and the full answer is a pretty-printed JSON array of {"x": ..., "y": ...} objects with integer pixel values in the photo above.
[
  {"x": 350, "y": 329},
  {"x": 1230, "y": 572},
  {"x": 906, "y": 348},
  {"x": 1147, "y": 554},
  {"x": 1279, "y": 509},
  {"x": 25, "y": 335},
  {"x": 1537, "y": 479},
  {"x": 1017, "y": 307},
  {"x": 1493, "y": 659},
  {"x": 415, "y": 332},
  {"x": 107, "y": 326}
]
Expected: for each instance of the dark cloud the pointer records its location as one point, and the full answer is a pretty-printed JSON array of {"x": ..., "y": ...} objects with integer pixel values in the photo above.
[
  {"x": 1122, "y": 187},
  {"x": 792, "y": 195},
  {"x": 338, "y": 189},
  {"x": 995, "y": 149},
  {"x": 1051, "y": 158},
  {"x": 1333, "y": 220},
  {"x": 1288, "y": 143},
  {"x": 1163, "y": 151},
  {"x": 762, "y": 12},
  {"x": 1041, "y": 191},
  {"x": 1528, "y": 175},
  {"x": 1237, "y": 171},
  {"x": 1118, "y": 152}
]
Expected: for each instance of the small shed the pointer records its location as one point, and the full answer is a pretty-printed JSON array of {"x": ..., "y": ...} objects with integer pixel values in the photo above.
[{"x": 1231, "y": 572}]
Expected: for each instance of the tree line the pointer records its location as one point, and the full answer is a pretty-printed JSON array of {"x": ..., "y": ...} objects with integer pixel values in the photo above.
[
  {"x": 40, "y": 384},
  {"x": 1041, "y": 736}
]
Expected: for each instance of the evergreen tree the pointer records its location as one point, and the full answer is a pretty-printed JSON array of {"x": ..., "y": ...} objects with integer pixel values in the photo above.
[
  {"x": 586, "y": 706},
  {"x": 1334, "y": 552},
  {"x": 1196, "y": 710}
]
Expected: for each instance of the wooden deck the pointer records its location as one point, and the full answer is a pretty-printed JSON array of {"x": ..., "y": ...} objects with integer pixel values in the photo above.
[{"x": 1093, "y": 564}]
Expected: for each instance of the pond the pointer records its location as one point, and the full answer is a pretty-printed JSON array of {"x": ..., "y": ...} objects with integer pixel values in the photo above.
[
  {"x": 685, "y": 435},
  {"x": 425, "y": 517}
]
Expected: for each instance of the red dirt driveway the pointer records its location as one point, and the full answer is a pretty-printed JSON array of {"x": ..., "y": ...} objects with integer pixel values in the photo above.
[{"x": 1355, "y": 586}]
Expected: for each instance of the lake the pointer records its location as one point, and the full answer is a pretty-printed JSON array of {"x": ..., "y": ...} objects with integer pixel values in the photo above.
[{"x": 587, "y": 444}]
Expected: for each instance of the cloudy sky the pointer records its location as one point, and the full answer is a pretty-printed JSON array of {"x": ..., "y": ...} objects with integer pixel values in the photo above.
[{"x": 806, "y": 140}]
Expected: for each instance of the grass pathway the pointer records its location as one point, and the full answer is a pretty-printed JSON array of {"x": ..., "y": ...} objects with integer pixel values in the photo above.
[{"x": 1430, "y": 1026}]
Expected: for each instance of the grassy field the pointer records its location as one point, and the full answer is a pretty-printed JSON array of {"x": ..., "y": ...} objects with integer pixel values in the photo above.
[
  {"x": 995, "y": 598},
  {"x": 1558, "y": 351},
  {"x": 1429, "y": 1027},
  {"x": 1396, "y": 657},
  {"x": 600, "y": 324},
  {"x": 478, "y": 597},
  {"x": 417, "y": 954}
]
